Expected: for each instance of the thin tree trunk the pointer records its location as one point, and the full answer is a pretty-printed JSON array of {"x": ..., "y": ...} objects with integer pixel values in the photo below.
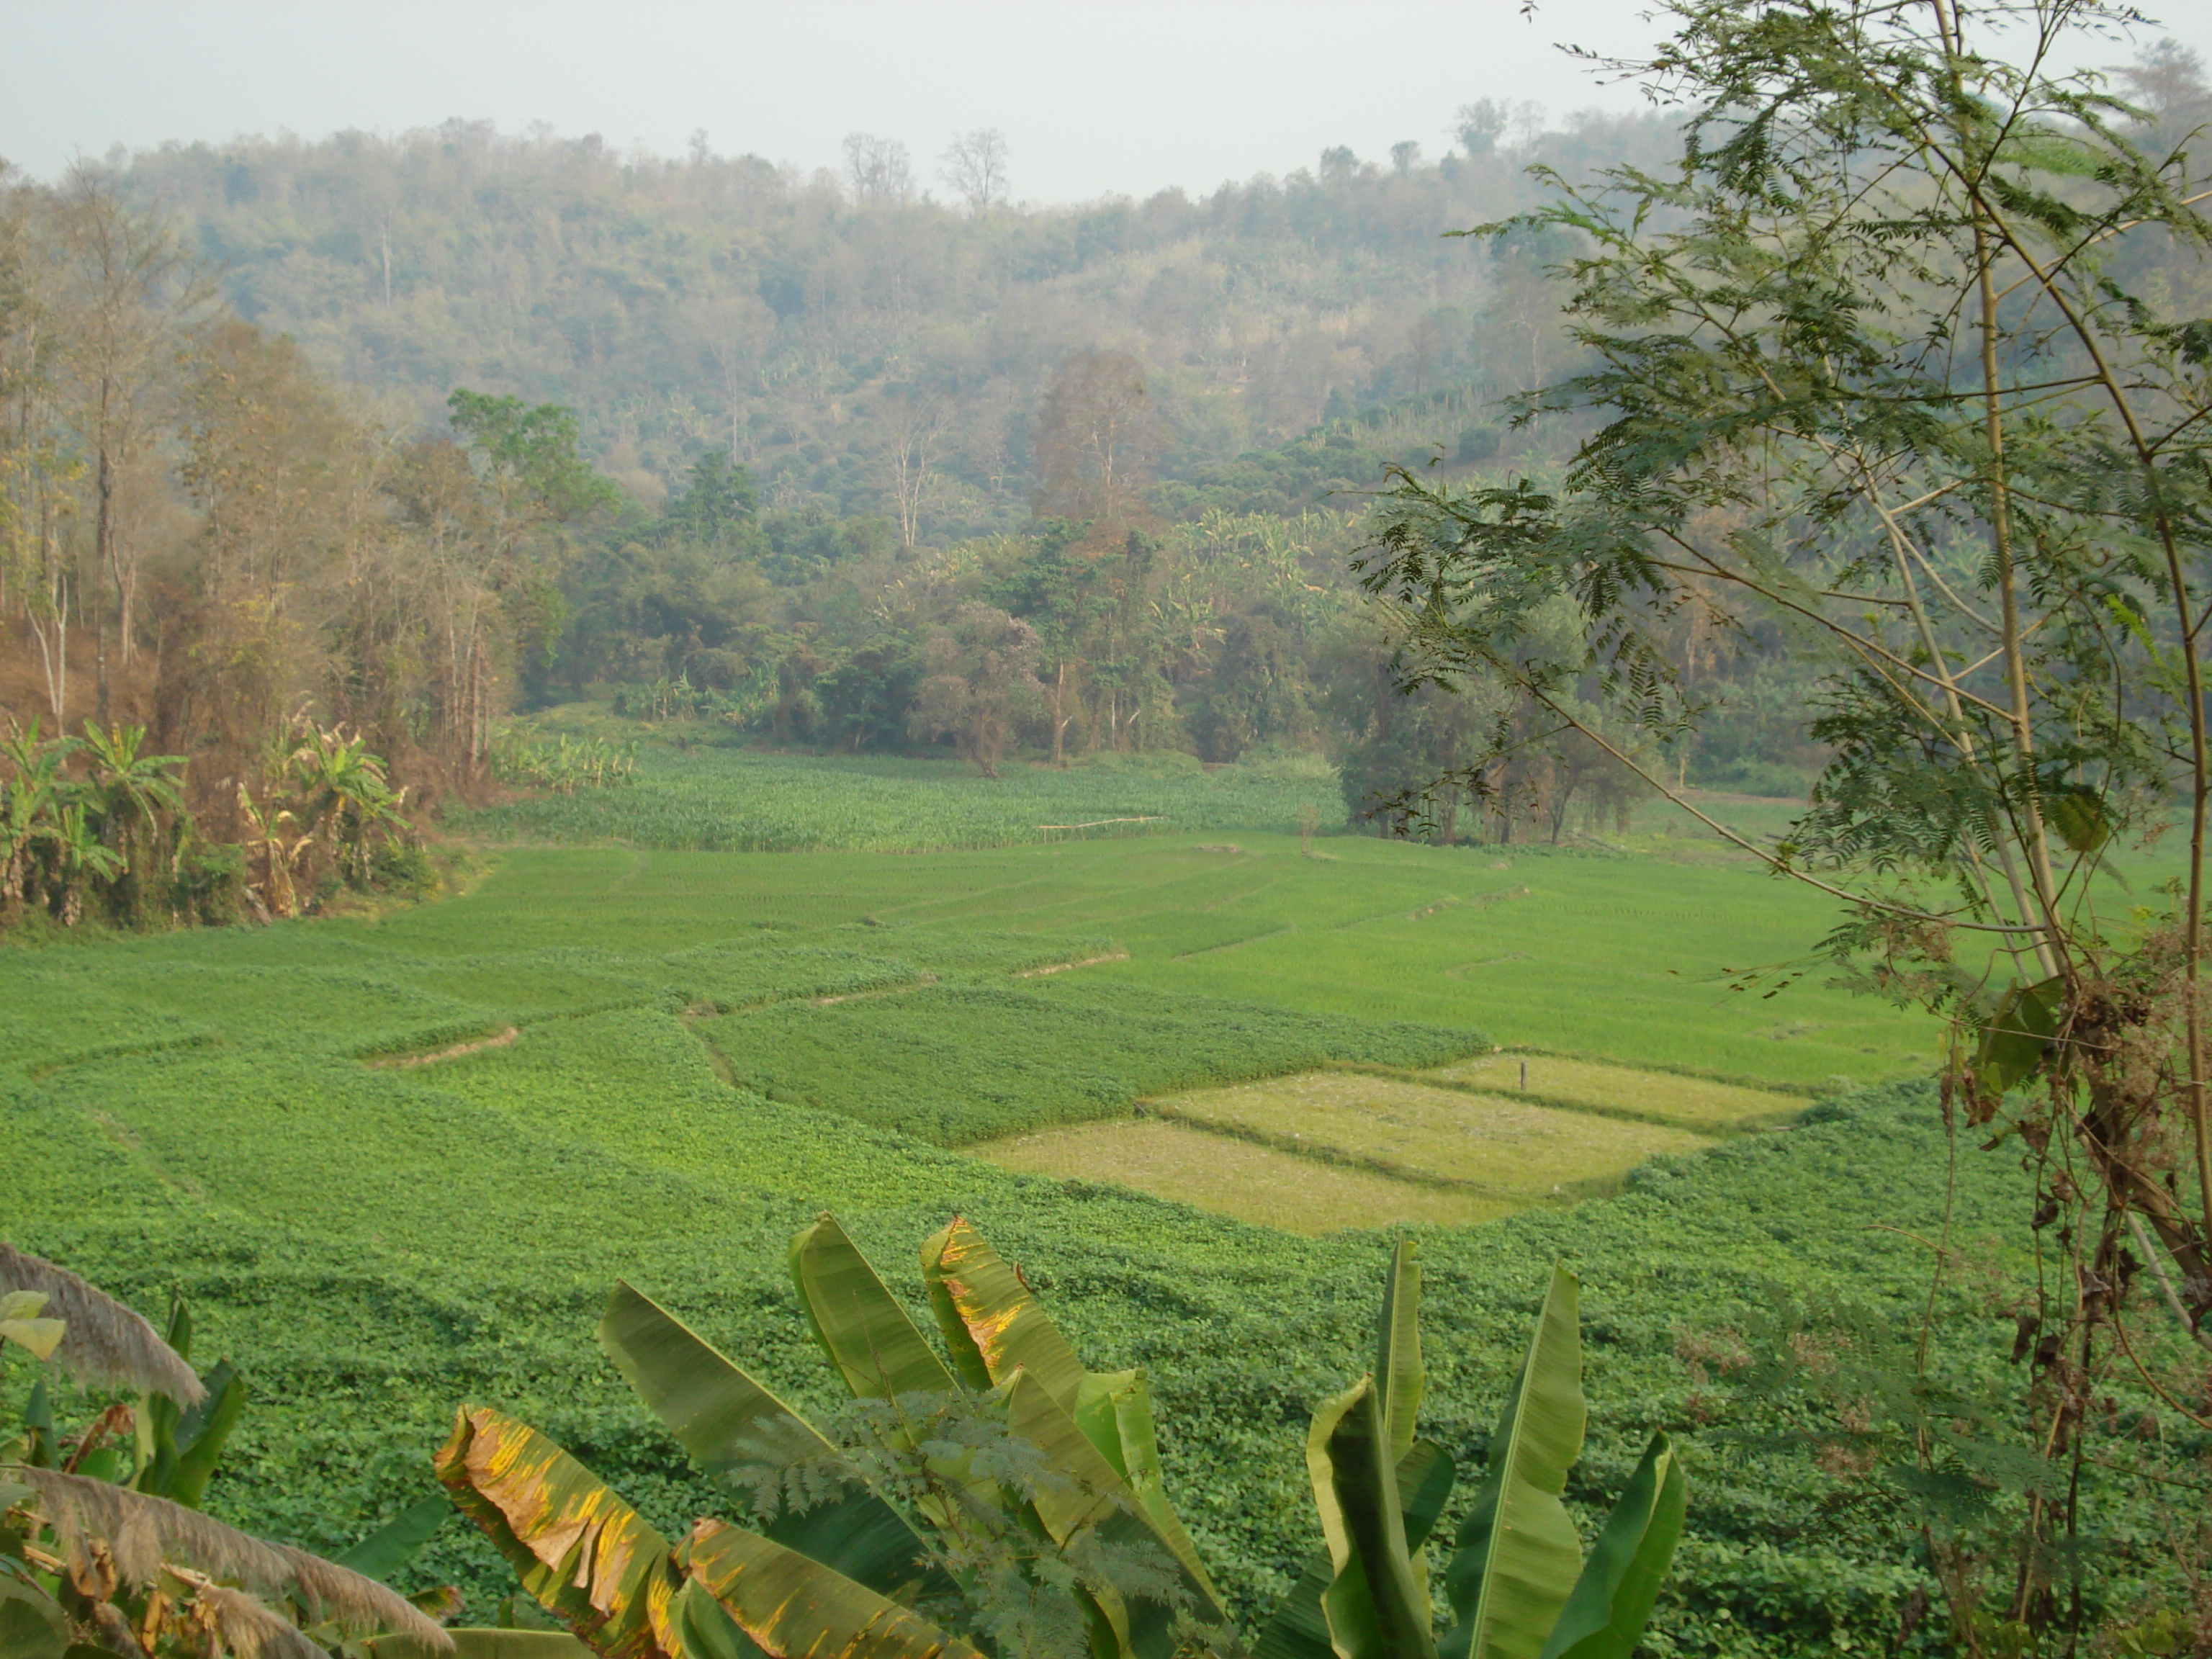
[{"x": 103, "y": 554}]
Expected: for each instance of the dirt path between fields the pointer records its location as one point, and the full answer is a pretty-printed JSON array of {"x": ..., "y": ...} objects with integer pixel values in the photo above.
[{"x": 474, "y": 1045}]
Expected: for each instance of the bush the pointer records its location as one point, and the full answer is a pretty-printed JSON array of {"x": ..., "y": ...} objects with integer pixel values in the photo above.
[
  {"x": 209, "y": 884},
  {"x": 405, "y": 868}
]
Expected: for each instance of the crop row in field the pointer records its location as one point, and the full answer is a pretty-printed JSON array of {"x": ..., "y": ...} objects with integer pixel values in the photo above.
[
  {"x": 954, "y": 1064},
  {"x": 1619, "y": 958},
  {"x": 1704, "y": 1104},
  {"x": 1248, "y": 1180},
  {"x": 721, "y": 800},
  {"x": 377, "y": 1253},
  {"x": 1510, "y": 1150},
  {"x": 1350, "y": 1146}
]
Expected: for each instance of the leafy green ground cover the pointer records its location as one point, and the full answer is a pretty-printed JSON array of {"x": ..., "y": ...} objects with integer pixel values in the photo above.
[
  {"x": 376, "y": 1246},
  {"x": 955, "y": 1064},
  {"x": 464, "y": 1260},
  {"x": 724, "y": 799},
  {"x": 1613, "y": 957}
]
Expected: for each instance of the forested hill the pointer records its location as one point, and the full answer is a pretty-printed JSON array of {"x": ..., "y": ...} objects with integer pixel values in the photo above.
[{"x": 860, "y": 345}]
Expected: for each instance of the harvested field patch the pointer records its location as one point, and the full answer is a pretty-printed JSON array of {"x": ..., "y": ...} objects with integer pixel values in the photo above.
[
  {"x": 1237, "y": 1178},
  {"x": 1690, "y": 1101},
  {"x": 1508, "y": 1149}
]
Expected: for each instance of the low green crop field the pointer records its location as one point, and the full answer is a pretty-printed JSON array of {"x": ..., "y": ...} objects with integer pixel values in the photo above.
[
  {"x": 666, "y": 1061},
  {"x": 735, "y": 800}
]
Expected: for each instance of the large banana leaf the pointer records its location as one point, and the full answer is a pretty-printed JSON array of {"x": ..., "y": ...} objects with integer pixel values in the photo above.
[
  {"x": 861, "y": 1326},
  {"x": 1298, "y": 1629},
  {"x": 991, "y": 1321},
  {"x": 1375, "y": 1607},
  {"x": 1518, "y": 1555},
  {"x": 1612, "y": 1600},
  {"x": 1096, "y": 1497},
  {"x": 994, "y": 1325},
  {"x": 180, "y": 1447},
  {"x": 724, "y": 1419},
  {"x": 588, "y": 1558},
  {"x": 1398, "y": 1373},
  {"x": 792, "y": 1607},
  {"x": 32, "y": 1623}
]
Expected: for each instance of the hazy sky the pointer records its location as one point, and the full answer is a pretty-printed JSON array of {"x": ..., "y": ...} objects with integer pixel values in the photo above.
[{"x": 1095, "y": 96}]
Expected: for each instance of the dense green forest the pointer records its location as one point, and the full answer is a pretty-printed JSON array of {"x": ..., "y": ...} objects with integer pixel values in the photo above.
[{"x": 807, "y": 462}]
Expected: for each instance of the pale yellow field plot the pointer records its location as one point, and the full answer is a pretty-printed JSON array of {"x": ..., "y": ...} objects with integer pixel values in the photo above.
[
  {"x": 1689, "y": 1102},
  {"x": 1511, "y": 1149},
  {"x": 1236, "y": 1178}
]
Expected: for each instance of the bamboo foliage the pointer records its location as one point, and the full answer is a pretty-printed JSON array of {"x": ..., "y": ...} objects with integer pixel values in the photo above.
[{"x": 1906, "y": 362}]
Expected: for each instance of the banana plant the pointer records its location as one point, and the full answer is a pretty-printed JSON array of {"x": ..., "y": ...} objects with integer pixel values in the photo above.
[
  {"x": 1010, "y": 1500},
  {"x": 79, "y": 856},
  {"x": 1516, "y": 1584},
  {"x": 853, "y": 1553},
  {"x": 101, "y": 1550}
]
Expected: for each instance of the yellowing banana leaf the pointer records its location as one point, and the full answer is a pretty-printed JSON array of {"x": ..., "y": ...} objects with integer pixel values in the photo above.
[
  {"x": 586, "y": 1557},
  {"x": 1611, "y": 1601},
  {"x": 1096, "y": 1496},
  {"x": 994, "y": 1325},
  {"x": 21, "y": 1322},
  {"x": 724, "y": 1419},
  {"x": 1518, "y": 1555},
  {"x": 991, "y": 1321},
  {"x": 792, "y": 1607},
  {"x": 1298, "y": 1629},
  {"x": 1374, "y": 1606},
  {"x": 1398, "y": 1373},
  {"x": 861, "y": 1326}
]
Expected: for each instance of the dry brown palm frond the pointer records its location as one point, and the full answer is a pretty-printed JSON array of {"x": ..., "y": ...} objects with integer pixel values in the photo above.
[
  {"x": 241, "y": 1626},
  {"x": 142, "y": 1533},
  {"x": 335, "y": 1595},
  {"x": 103, "y": 1343}
]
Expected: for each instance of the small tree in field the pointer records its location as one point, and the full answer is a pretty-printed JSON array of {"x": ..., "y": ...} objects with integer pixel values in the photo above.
[{"x": 1909, "y": 357}]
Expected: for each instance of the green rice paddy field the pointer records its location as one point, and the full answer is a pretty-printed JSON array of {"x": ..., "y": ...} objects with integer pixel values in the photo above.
[{"x": 1194, "y": 1080}]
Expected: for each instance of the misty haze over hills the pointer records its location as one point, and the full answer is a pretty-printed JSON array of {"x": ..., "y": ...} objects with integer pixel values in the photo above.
[{"x": 807, "y": 323}]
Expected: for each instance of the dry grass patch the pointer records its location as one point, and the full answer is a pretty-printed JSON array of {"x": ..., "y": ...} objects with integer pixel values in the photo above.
[
  {"x": 1237, "y": 1178},
  {"x": 1691, "y": 1102},
  {"x": 1510, "y": 1148}
]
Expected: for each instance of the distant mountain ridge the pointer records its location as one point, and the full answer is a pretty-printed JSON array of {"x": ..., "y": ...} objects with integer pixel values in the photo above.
[{"x": 837, "y": 335}]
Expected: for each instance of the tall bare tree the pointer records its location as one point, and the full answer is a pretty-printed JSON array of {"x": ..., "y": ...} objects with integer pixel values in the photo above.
[
  {"x": 129, "y": 289},
  {"x": 1098, "y": 439},
  {"x": 975, "y": 165},
  {"x": 879, "y": 170},
  {"x": 915, "y": 439}
]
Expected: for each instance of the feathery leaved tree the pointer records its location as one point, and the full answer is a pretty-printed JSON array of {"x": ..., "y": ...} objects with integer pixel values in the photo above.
[{"x": 1881, "y": 363}]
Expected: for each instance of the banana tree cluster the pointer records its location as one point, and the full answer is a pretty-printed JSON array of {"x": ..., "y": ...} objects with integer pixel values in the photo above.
[
  {"x": 521, "y": 755},
  {"x": 1002, "y": 1500},
  {"x": 103, "y": 1549},
  {"x": 324, "y": 806},
  {"x": 69, "y": 833},
  {"x": 1517, "y": 1585}
]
